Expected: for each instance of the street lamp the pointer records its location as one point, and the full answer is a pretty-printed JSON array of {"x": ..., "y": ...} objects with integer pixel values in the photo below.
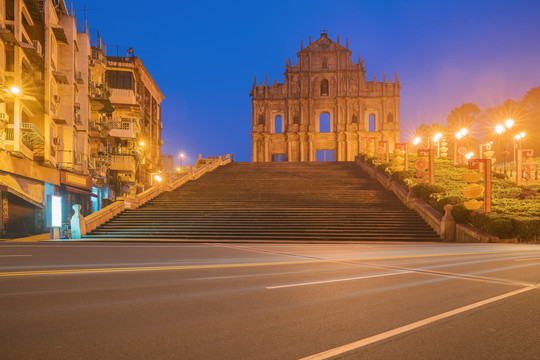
[
  {"x": 15, "y": 90},
  {"x": 459, "y": 135},
  {"x": 436, "y": 139},
  {"x": 417, "y": 141},
  {"x": 499, "y": 129}
]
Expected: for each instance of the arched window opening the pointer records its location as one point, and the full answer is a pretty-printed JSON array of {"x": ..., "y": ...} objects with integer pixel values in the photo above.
[
  {"x": 390, "y": 118},
  {"x": 324, "y": 123},
  {"x": 324, "y": 87},
  {"x": 261, "y": 119},
  {"x": 371, "y": 122},
  {"x": 279, "y": 125}
]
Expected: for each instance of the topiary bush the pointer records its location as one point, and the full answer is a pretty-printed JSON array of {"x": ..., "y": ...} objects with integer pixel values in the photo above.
[
  {"x": 382, "y": 167},
  {"x": 452, "y": 200},
  {"x": 460, "y": 213},
  {"x": 526, "y": 228},
  {"x": 371, "y": 160},
  {"x": 500, "y": 227},
  {"x": 400, "y": 177},
  {"x": 425, "y": 191}
]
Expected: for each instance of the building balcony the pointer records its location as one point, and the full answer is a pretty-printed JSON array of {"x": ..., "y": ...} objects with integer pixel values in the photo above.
[
  {"x": 123, "y": 163},
  {"x": 127, "y": 128},
  {"x": 123, "y": 96}
]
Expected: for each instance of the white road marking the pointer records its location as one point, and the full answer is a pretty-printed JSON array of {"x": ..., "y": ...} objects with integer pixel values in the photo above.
[
  {"x": 533, "y": 259},
  {"x": 13, "y": 255},
  {"x": 337, "y": 280},
  {"x": 400, "y": 330}
]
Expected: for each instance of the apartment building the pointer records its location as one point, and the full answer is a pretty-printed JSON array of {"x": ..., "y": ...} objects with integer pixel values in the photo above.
[{"x": 71, "y": 118}]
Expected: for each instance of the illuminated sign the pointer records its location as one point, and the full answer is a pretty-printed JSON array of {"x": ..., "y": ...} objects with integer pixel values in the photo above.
[{"x": 56, "y": 211}]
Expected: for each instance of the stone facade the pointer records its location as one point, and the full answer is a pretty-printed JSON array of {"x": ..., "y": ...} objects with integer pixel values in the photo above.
[{"x": 324, "y": 81}]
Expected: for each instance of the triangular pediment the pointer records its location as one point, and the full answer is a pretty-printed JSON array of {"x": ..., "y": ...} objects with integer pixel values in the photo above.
[{"x": 324, "y": 44}]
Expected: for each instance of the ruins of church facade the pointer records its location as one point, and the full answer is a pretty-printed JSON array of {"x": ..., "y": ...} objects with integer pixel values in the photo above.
[{"x": 325, "y": 106}]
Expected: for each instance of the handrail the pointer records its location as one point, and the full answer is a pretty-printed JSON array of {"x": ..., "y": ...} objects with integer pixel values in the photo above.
[{"x": 98, "y": 218}]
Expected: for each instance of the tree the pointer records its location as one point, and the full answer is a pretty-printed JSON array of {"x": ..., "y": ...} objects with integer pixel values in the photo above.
[{"x": 463, "y": 116}]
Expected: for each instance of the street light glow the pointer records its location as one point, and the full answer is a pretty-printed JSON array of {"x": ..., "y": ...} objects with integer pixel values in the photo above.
[
  {"x": 157, "y": 178},
  {"x": 509, "y": 123},
  {"x": 14, "y": 90},
  {"x": 417, "y": 140},
  {"x": 499, "y": 129},
  {"x": 459, "y": 135},
  {"x": 469, "y": 155},
  {"x": 522, "y": 134},
  {"x": 463, "y": 131},
  {"x": 141, "y": 143}
]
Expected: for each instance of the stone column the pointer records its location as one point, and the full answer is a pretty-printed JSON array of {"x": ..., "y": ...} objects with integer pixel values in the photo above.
[
  {"x": 341, "y": 156},
  {"x": 289, "y": 138},
  {"x": 302, "y": 138},
  {"x": 266, "y": 155},
  {"x": 253, "y": 148},
  {"x": 310, "y": 146}
]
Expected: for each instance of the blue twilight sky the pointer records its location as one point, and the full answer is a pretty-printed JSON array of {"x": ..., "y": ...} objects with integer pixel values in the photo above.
[{"x": 203, "y": 55}]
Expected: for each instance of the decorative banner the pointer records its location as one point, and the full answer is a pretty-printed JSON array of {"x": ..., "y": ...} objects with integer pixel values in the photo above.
[
  {"x": 474, "y": 164},
  {"x": 430, "y": 164},
  {"x": 528, "y": 165},
  {"x": 404, "y": 148}
]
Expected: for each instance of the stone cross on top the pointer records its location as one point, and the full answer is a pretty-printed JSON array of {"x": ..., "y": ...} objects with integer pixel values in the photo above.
[{"x": 324, "y": 30}]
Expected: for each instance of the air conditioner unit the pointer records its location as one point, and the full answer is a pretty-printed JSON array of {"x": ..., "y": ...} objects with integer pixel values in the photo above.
[
  {"x": 78, "y": 159},
  {"x": 38, "y": 47},
  {"x": 56, "y": 141},
  {"x": 4, "y": 116}
]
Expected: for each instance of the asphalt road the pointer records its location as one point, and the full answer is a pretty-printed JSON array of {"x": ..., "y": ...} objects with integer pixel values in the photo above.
[{"x": 269, "y": 301}]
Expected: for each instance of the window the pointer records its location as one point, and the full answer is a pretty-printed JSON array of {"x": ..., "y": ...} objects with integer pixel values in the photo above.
[
  {"x": 278, "y": 157},
  {"x": 279, "y": 125},
  {"x": 324, "y": 123},
  {"x": 324, "y": 155},
  {"x": 324, "y": 87},
  {"x": 120, "y": 79},
  {"x": 372, "y": 122}
]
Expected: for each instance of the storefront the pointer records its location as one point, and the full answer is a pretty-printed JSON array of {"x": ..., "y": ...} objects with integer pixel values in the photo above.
[{"x": 76, "y": 189}]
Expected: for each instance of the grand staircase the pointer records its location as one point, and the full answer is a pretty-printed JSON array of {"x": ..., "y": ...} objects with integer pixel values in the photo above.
[{"x": 321, "y": 201}]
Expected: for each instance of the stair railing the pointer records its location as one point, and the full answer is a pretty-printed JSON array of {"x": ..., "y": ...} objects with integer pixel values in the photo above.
[{"x": 98, "y": 218}]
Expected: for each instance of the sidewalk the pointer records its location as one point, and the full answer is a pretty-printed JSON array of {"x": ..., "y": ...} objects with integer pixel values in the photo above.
[{"x": 32, "y": 238}]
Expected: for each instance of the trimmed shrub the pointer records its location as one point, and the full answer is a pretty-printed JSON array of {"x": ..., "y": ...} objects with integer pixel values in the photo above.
[
  {"x": 500, "y": 227},
  {"x": 526, "y": 228},
  {"x": 460, "y": 213},
  {"x": 400, "y": 176},
  {"x": 452, "y": 200},
  {"x": 371, "y": 160},
  {"x": 499, "y": 175},
  {"x": 382, "y": 167},
  {"x": 424, "y": 191}
]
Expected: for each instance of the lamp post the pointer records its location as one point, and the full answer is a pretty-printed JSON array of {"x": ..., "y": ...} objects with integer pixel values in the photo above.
[
  {"x": 500, "y": 129},
  {"x": 181, "y": 161},
  {"x": 436, "y": 139}
]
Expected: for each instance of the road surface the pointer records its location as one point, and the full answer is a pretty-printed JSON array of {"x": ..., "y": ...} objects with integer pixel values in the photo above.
[{"x": 67, "y": 300}]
